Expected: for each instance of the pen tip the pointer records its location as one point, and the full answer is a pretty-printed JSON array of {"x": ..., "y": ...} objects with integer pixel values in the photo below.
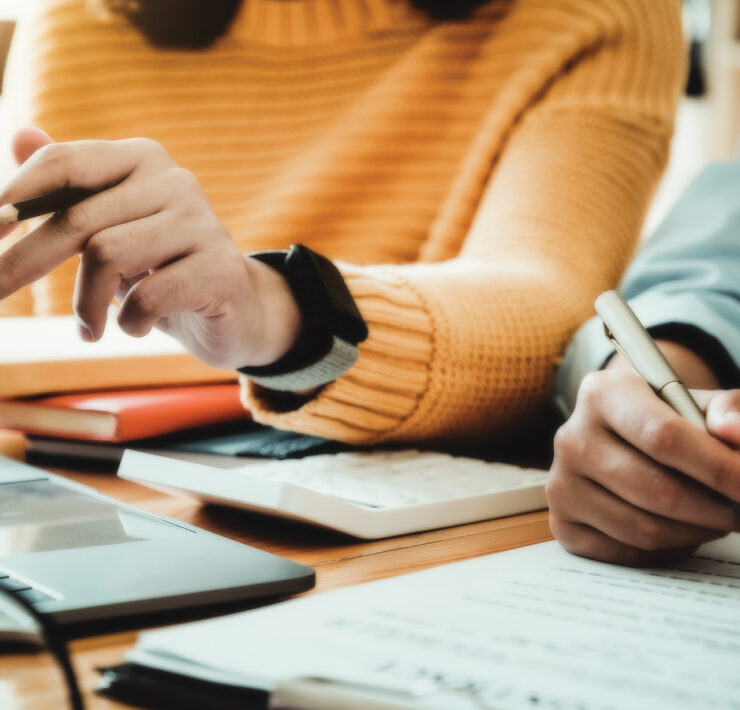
[{"x": 8, "y": 214}]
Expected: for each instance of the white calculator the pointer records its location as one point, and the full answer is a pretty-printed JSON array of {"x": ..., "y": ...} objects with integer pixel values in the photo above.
[{"x": 368, "y": 495}]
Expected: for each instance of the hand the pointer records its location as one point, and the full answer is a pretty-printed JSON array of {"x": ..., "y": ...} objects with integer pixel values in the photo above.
[
  {"x": 151, "y": 239},
  {"x": 634, "y": 483}
]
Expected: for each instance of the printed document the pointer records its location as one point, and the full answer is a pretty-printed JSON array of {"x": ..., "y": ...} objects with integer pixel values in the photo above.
[{"x": 528, "y": 628}]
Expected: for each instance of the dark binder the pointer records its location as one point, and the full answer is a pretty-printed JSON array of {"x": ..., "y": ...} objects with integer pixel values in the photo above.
[{"x": 153, "y": 689}]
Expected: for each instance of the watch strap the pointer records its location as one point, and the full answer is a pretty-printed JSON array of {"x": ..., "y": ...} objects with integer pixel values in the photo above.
[
  {"x": 340, "y": 358},
  {"x": 327, "y": 346}
]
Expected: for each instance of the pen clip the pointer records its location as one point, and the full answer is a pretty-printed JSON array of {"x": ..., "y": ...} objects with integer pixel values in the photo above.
[
  {"x": 615, "y": 344},
  {"x": 630, "y": 339}
]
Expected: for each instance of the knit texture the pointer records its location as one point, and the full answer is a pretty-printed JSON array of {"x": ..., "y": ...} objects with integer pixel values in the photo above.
[{"x": 478, "y": 182}]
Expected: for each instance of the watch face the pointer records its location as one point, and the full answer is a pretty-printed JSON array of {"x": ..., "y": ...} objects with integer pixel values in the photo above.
[{"x": 323, "y": 295}]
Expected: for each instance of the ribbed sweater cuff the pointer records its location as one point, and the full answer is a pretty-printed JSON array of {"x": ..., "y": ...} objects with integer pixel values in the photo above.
[{"x": 385, "y": 386}]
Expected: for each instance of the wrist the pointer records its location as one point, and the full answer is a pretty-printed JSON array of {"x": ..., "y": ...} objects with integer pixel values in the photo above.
[
  {"x": 281, "y": 320},
  {"x": 692, "y": 369},
  {"x": 326, "y": 345}
]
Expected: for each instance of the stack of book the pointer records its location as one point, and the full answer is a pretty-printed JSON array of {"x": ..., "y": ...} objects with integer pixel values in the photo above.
[{"x": 73, "y": 398}]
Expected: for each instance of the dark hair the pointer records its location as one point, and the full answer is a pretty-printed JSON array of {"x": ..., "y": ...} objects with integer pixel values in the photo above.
[
  {"x": 195, "y": 24},
  {"x": 448, "y": 9}
]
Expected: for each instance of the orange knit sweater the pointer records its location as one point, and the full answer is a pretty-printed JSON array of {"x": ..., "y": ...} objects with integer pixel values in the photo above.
[{"x": 478, "y": 182}]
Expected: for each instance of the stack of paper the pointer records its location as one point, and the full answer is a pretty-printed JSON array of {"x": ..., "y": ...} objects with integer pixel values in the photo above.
[
  {"x": 44, "y": 355},
  {"x": 530, "y": 628},
  {"x": 117, "y": 389}
]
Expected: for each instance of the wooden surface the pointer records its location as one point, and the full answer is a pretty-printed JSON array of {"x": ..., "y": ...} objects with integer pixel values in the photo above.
[{"x": 338, "y": 560}]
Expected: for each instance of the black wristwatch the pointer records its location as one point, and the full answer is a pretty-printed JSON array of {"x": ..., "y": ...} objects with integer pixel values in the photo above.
[{"x": 332, "y": 323}]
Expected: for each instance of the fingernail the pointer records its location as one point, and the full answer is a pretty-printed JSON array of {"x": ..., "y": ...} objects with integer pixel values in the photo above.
[
  {"x": 85, "y": 333},
  {"x": 731, "y": 416}
]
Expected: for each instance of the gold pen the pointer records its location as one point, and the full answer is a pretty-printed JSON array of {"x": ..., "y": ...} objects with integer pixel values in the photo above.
[{"x": 633, "y": 342}]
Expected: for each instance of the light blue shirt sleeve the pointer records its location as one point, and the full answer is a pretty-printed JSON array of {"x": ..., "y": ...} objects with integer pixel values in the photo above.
[{"x": 688, "y": 273}]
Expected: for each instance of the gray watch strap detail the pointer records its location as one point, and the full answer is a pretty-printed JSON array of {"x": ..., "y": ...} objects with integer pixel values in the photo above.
[{"x": 335, "y": 363}]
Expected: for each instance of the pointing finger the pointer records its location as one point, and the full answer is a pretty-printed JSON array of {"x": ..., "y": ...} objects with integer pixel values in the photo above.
[
  {"x": 27, "y": 141},
  {"x": 92, "y": 165},
  {"x": 115, "y": 256},
  {"x": 65, "y": 234}
]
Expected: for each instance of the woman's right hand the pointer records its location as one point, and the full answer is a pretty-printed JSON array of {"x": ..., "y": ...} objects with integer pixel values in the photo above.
[
  {"x": 634, "y": 483},
  {"x": 149, "y": 237}
]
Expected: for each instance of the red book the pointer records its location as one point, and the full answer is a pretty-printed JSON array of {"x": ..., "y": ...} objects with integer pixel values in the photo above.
[{"x": 124, "y": 415}]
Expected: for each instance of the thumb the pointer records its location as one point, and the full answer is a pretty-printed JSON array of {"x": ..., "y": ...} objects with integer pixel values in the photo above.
[
  {"x": 27, "y": 141},
  {"x": 723, "y": 416}
]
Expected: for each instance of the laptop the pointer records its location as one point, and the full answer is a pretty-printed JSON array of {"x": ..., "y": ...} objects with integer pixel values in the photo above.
[{"x": 91, "y": 562}]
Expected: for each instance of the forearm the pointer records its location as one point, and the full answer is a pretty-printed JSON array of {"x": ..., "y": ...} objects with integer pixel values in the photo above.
[{"x": 457, "y": 351}]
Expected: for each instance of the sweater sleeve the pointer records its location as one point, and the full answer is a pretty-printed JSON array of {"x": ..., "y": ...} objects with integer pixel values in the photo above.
[
  {"x": 467, "y": 348},
  {"x": 685, "y": 280}
]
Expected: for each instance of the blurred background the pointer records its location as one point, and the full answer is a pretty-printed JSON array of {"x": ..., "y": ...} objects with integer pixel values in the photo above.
[{"x": 708, "y": 122}]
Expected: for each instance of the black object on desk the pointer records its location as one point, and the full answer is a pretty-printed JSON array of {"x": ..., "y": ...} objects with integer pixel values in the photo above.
[
  {"x": 158, "y": 690},
  {"x": 230, "y": 440}
]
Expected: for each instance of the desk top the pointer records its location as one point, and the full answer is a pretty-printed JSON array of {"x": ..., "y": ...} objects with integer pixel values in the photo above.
[{"x": 339, "y": 561}]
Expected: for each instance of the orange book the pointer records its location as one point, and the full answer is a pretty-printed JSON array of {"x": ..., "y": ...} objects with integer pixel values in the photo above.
[{"x": 124, "y": 415}]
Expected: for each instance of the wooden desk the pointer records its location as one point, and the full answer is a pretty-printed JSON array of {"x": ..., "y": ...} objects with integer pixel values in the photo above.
[{"x": 338, "y": 560}]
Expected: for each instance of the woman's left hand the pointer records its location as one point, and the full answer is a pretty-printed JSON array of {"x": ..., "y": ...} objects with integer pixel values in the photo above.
[{"x": 150, "y": 238}]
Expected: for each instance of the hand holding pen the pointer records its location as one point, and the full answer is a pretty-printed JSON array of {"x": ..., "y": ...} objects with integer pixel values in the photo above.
[
  {"x": 637, "y": 483},
  {"x": 146, "y": 235}
]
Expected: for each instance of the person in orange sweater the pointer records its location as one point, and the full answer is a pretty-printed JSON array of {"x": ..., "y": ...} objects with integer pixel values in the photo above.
[{"x": 476, "y": 176}]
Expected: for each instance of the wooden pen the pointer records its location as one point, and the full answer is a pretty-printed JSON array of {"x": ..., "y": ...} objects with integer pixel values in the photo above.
[{"x": 56, "y": 201}]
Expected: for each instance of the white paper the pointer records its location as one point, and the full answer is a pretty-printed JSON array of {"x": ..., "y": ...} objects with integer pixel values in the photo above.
[
  {"x": 529, "y": 628},
  {"x": 30, "y": 339}
]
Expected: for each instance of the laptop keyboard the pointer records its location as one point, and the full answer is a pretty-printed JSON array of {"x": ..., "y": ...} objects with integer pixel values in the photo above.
[{"x": 23, "y": 589}]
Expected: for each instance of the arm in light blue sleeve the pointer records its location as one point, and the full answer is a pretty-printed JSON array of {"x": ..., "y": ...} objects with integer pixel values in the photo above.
[{"x": 687, "y": 273}]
